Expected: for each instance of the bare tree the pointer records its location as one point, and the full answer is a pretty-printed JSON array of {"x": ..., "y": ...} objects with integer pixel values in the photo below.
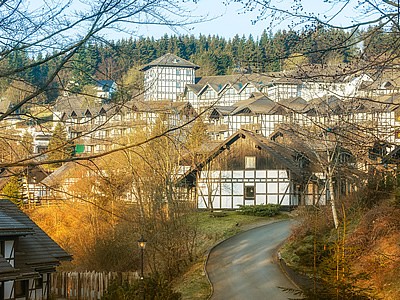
[{"x": 53, "y": 33}]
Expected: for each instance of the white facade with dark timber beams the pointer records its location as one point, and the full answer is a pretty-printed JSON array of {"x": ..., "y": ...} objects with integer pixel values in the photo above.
[
  {"x": 248, "y": 169},
  {"x": 166, "y": 77}
]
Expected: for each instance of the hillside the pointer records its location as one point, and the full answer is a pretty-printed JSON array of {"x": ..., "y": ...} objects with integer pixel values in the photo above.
[{"x": 360, "y": 259}]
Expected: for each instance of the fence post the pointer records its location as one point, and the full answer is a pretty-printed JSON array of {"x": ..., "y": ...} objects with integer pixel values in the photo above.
[{"x": 79, "y": 286}]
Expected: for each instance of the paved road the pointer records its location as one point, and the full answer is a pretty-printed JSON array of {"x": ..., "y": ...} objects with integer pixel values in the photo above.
[{"x": 242, "y": 267}]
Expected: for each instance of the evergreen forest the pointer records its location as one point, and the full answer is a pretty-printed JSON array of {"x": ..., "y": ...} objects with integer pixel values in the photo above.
[{"x": 270, "y": 52}]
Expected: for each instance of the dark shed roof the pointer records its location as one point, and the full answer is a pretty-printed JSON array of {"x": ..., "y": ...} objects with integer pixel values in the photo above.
[{"x": 35, "y": 250}]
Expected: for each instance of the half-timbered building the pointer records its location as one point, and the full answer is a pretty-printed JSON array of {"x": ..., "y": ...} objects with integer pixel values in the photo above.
[
  {"x": 96, "y": 126},
  {"x": 28, "y": 256},
  {"x": 165, "y": 78},
  {"x": 249, "y": 169}
]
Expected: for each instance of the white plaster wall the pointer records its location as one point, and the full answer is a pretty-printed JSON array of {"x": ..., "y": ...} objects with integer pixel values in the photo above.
[{"x": 227, "y": 188}]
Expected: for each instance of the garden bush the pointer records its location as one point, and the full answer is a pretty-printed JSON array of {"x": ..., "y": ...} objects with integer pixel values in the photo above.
[
  {"x": 154, "y": 288},
  {"x": 263, "y": 210}
]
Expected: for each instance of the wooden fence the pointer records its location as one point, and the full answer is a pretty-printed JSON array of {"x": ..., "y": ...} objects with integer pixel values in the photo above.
[{"x": 86, "y": 285}]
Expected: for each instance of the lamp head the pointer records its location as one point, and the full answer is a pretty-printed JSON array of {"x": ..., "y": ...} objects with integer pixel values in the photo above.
[{"x": 142, "y": 242}]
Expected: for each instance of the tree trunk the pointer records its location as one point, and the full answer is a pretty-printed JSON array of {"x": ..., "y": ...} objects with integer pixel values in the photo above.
[{"x": 332, "y": 199}]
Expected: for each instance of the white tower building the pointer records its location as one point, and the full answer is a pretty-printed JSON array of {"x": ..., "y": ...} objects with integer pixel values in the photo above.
[{"x": 166, "y": 77}]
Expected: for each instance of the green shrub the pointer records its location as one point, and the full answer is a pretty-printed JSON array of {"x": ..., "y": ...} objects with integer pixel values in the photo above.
[
  {"x": 154, "y": 288},
  {"x": 263, "y": 210}
]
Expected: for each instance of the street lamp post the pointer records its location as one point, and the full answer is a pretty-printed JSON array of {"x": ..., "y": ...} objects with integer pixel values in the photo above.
[{"x": 142, "y": 244}]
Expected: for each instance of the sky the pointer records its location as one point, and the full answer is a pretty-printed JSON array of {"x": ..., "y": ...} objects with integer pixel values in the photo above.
[{"x": 229, "y": 20}]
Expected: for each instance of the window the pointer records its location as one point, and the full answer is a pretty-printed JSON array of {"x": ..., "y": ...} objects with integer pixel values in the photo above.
[
  {"x": 397, "y": 115},
  {"x": 20, "y": 288},
  {"x": 249, "y": 192},
  {"x": 249, "y": 162},
  {"x": 39, "y": 283}
]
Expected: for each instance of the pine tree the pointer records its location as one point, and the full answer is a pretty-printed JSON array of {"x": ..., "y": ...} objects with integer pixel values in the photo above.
[
  {"x": 59, "y": 147},
  {"x": 84, "y": 66},
  {"x": 12, "y": 190}
]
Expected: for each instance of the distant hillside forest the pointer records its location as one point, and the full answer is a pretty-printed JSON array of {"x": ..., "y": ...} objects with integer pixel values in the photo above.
[{"x": 216, "y": 55}]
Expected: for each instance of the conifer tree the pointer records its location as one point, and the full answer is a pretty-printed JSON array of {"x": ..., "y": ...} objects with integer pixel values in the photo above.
[
  {"x": 59, "y": 147},
  {"x": 12, "y": 190}
]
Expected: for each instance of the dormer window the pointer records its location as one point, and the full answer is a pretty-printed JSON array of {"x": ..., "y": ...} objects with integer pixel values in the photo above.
[{"x": 249, "y": 162}]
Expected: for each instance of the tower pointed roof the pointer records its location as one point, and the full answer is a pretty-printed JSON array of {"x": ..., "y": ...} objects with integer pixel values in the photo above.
[{"x": 170, "y": 60}]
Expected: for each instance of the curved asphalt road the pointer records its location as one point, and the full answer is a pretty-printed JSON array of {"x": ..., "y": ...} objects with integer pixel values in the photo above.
[{"x": 243, "y": 266}]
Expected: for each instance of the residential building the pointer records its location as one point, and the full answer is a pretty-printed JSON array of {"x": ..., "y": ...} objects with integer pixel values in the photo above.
[
  {"x": 97, "y": 127},
  {"x": 28, "y": 256},
  {"x": 166, "y": 77},
  {"x": 250, "y": 169},
  {"x": 105, "y": 89}
]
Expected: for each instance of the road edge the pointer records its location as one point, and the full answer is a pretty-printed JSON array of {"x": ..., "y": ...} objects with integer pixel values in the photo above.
[{"x": 220, "y": 242}]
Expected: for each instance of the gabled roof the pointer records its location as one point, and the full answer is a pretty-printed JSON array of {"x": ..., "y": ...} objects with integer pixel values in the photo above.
[
  {"x": 11, "y": 227},
  {"x": 314, "y": 144},
  {"x": 7, "y": 272},
  {"x": 106, "y": 85},
  {"x": 58, "y": 175},
  {"x": 35, "y": 174},
  {"x": 256, "y": 104},
  {"x": 386, "y": 79},
  {"x": 325, "y": 105},
  {"x": 218, "y": 111},
  {"x": 215, "y": 87},
  {"x": 196, "y": 88},
  {"x": 281, "y": 153},
  {"x": 80, "y": 106},
  {"x": 165, "y": 106},
  {"x": 296, "y": 104},
  {"x": 35, "y": 249},
  {"x": 170, "y": 60}
]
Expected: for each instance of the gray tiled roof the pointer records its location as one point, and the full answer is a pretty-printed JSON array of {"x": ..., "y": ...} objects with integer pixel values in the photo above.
[
  {"x": 11, "y": 227},
  {"x": 7, "y": 272},
  {"x": 35, "y": 250},
  {"x": 297, "y": 104},
  {"x": 195, "y": 87},
  {"x": 258, "y": 104},
  {"x": 161, "y": 106},
  {"x": 222, "y": 110},
  {"x": 170, "y": 60},
  {"x": 80, "y": 105}
]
